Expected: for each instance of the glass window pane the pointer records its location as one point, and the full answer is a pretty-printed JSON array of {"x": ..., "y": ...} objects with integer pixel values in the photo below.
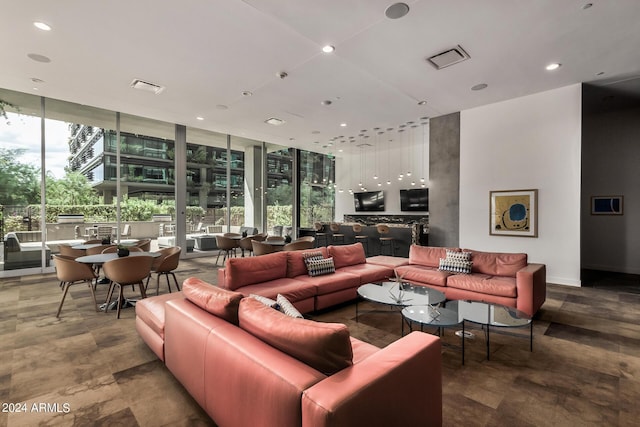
[{"x": 317, "y": 189}]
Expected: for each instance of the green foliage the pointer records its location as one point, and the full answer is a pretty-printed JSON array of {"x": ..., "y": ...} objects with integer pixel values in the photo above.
[
  {"x": 19, "y": 183},
  {"x": 73, "y": 189}
]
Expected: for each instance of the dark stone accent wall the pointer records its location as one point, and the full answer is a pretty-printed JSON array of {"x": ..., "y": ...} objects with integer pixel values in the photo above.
[{"x": 444, "y": 180}]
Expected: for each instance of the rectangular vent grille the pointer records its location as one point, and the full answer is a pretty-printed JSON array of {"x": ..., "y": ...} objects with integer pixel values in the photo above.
[
  {"x": 149, "y": 87},
  {"x": 448, "y": 57}
]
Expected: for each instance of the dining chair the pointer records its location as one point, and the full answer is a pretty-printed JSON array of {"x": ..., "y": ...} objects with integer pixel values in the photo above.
[
  {"x": 144, "y": 244},
  {"x": 164, "y": 265},
  {"x": 261, "y": 237},
  {"x": 95, "y": 251},
  {"x": 105, "y": 232},
  {"x": 385, "y": 239},
  {"x": 320, "y": 234},
  {"x": 298, "y": 246},
  {"x": 126, "y": 231},
  {"x": 305, "y": 239},
  {"x": 336, "y": 235},
  {"x": 275, "y": 239},
  {"x": 260, "y": 248},
  {"x": 232, "y": 235},
  {"x": 69, "y": 251},
  {"x": 362, "y": 238},
  {"x": 70, "y": 272},
  {"x": 114, "y": 248},
  {"x": 227, "y": 246},
  {"x": 245, "y": 245},
  {"x": 126, "y": 271}
]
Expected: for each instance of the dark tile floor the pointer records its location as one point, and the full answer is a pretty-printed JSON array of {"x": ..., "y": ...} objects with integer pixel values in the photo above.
[{"x": 88, "y": 368}]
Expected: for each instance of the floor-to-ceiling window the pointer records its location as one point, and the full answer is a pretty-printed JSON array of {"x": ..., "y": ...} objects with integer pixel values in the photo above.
[
  {"x": 279, "y": 189},
  {"x": 317, "y": 188}
]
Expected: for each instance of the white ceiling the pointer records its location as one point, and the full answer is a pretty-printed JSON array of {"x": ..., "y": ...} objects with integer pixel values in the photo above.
[{"x": 207, "y": 52}]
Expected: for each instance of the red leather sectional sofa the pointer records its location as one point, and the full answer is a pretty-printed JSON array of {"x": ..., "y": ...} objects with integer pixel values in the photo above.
[
  {"x": 247, "y": 364},
  {"x": 285, "y": 273},
  {"x": 501, "y": 278}
]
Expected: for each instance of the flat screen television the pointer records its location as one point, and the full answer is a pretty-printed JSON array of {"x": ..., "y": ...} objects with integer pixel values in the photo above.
[
  {"x": 414, "y": 199},
  {"x": 369, "y": 201}
]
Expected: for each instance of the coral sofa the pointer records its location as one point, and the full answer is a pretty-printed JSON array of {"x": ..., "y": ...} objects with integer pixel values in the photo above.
[
  {"x": 247, "y": 364},
  {"x": 502, "y": 278},
  {"x": 286, "y": 273}
]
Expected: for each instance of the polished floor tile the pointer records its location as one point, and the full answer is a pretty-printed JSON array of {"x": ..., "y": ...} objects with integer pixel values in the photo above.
[{"x": 88, "y": 368}]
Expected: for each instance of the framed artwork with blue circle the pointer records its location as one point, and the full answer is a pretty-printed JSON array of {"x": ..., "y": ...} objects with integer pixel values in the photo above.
[{"x": 513, "y": 213}]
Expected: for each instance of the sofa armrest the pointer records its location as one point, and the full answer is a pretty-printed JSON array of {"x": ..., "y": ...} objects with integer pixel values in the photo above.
[
  {"x": 399, "y": 385},
  {"x": 531, "y": 284}
]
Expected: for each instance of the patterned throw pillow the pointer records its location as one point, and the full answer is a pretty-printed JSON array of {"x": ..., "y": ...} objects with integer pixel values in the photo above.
[
  {"x": 287, "y": 308},
  {"x": 318, "y": 267},
  {"x": 266, "y": 301},
  {"x": 456, "y": 262},
  {"x": 310, "y": 257}
]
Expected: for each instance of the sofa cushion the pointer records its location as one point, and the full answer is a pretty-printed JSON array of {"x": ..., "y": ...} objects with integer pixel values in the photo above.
[
  {"x": 369, "y": 273},
  {"x": 295, "y": 261},
  {"x": 497, "y": 264},
  {"x": 422, "y": 274},
  {"x": 217, "y": 301},
  {"x": 336, "y": 282},
  {"x": 325, "y": 347},
  {"x": 484, "y": 284},
  {"x": 429, "y": 256},
  {"x": 246, "y": 271},
  {"x": 346, "y": 255},
  {"x": 320, "y": 267},
  {"x": 285, "y": 306},
  {"x": 295, "y": 290}
]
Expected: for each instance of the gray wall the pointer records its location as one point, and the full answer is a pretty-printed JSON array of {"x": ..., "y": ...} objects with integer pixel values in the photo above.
[
  {"x": 444, "y": 180},
  {"x": 611, "y": 166}
]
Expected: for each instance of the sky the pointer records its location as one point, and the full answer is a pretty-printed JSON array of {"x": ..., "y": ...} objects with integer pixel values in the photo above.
[{"x": 24, "y": 132}]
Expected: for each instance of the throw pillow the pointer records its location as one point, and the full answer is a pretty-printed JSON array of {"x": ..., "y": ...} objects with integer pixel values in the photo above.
[
  {"x": 287, "y": 308},
  {"x": 318, "y": 267},
  {"x": 326, "y": 347},
  {"x": 456, "y": 262},
  {"x": 217, "y": 301},
  {"x": 266, "y": 301}
]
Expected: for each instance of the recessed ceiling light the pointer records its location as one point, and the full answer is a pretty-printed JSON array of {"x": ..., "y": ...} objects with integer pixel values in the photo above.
[
  {"x": 396, "y": 10},
  {"x": 479, "y": 86},
  {"x": 221, "y": 107},
  {"x": 553, "y": 66},
  {"x": 199, "y": 118},
  {"x": 274, "y": 121},
  {"x": 326, "y": 102},
  {"x": 600, "y": 73},
  {"x": 38, "y": 58},
  {"x": 422, "y": 102},
  {"x": 587, "y": 6},
  {"x": 328, "y": 48},
  {"x": 42, "y": 26},
  {"x": 36, "y": 80},
  {"x": 343, "y": 125},
  {"x": 247, "y": 93}
]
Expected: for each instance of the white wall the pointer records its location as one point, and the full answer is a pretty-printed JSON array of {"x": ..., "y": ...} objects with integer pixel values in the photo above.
[
  {"x": 532, "y": 142},
  {"x": 407, "y": 152}
]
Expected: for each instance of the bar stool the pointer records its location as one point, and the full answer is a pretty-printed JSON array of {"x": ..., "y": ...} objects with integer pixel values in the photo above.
[
  {"x": 336, "y": 236},
  {"x": 383, "y": 231},
  {"x": 357, "y": 229},
  {"x": 320, "y": 234}
]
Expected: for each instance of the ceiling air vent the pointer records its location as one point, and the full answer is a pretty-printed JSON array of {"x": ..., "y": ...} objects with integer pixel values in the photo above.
[
  {"x": 274, "y": 121},
  {"x": 149, "y": 87},
  {"x": 448, "y": 57}
]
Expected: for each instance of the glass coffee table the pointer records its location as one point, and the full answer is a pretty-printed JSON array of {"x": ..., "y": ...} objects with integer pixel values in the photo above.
[
  {"x": 454, "y": 313},
  {"x": 398, "y": 295}
]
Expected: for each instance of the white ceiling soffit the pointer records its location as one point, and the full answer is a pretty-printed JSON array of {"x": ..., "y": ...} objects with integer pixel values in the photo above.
[{"x": 207, "y": 53}]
